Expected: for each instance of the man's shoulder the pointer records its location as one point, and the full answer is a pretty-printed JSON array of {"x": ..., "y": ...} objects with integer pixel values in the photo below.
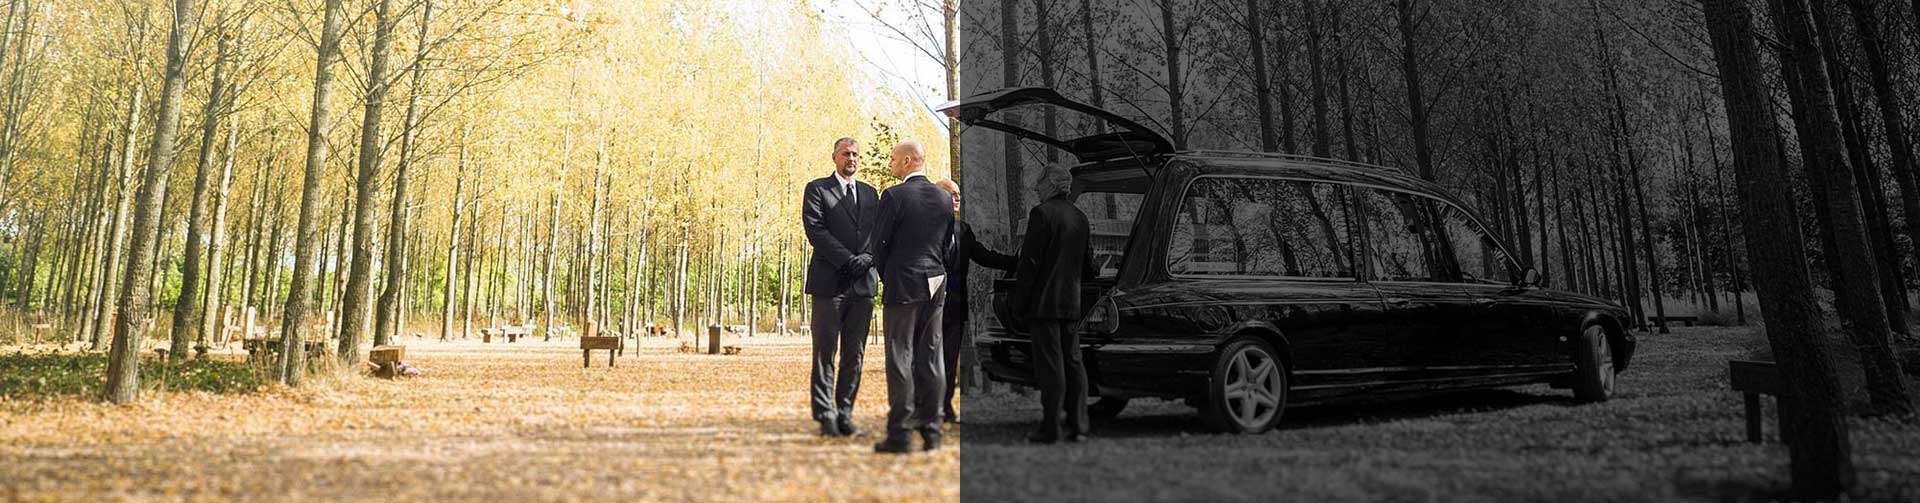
[{"x": 825, "y": 181}]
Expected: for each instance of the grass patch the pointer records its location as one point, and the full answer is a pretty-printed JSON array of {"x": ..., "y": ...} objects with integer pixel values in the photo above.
[{"x": 27, "y": 375}]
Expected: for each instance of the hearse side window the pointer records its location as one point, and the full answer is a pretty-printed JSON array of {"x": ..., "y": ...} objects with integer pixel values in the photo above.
[
  {"x": 1261, "y": 227},
  {"x": 1405, "y": 238},
  {"x": 1479, "y": 259}
]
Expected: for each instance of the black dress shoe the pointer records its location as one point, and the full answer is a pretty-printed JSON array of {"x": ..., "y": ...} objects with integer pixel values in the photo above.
[
  {"x": 894, "y": 445},
  {"x": 1042, "y": 438},
  {"x": 848, "y": 429},
  {"x": 952, "y": 419},
  {"x": 829, "y": 429},
  {"x": 931, "y": 438},
  {"x": 1077, "y": 438}
]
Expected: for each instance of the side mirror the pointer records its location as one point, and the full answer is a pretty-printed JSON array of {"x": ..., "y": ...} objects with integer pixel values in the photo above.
[{"x": 1530, "y": 278}]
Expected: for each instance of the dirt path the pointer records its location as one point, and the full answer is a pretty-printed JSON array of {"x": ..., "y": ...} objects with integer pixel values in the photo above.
[
  {"x": 1674, "y": 432},
  {"x": 488, "y": 422}
]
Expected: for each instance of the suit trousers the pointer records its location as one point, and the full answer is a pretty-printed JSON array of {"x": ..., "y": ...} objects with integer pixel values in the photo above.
[
  {"x": 953, "y": 334},
  {"x": 839, "y": 324},
  {"x": 1062, "y": 377},
  {"x": 915, "y": 373}
]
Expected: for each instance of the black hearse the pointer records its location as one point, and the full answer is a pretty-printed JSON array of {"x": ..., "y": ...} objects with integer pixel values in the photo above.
[{"x": 1246, "y": 283}]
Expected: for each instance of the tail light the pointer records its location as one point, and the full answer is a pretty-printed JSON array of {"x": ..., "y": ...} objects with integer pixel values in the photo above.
[{"x": 1104, "y": 318}]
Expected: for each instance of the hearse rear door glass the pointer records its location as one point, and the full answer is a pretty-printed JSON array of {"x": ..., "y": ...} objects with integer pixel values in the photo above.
[{"x": 1089, "y": 133}]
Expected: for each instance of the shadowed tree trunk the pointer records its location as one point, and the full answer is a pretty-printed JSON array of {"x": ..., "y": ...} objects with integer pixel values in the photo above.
[
  {"x": 1875, "y": 46},
  {"x": 1010, "y": 145},
  {"x": 1862, "y": 314},
  {"x": 307, "y": 250},
  {"x": 135, "y": 305},
  {"x": 1817, "y": 435},
  {"x": 1867, "y": 174}
]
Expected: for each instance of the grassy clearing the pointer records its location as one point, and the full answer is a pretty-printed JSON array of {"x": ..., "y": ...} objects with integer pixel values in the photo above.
[
  {"x": 53, "y": 373},
  {"x": 1674, "y": 433},
  {"x": 488, "y": 422}
]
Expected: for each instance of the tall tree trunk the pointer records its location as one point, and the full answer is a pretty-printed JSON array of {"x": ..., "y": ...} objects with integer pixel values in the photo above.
[
  {"x": 1262, "y": 86},
  {"x": 1172, "y": 37},
  {"x": 186, "y": 308},
  {"x": 1315, "y": 10},
  {"x": 1817, "y": 444},
  {"x": 1010, "y": 145},
  {"x": 1410, "y": 71},
  {"x": 1874, "y": 44},
  {"x": 213, "y": 323},
  {"x": 1866, "y": 174},
  {"x": 307, "y": 251},
  {"x": 115, "y": 241},
  {"x": 134, "y": 309},
  {"x": 354, "y": 302},
  {"x": 1862, "y": 314},
  {"x": 448, "y": 305},
  {"x": 387, "y": 314}
]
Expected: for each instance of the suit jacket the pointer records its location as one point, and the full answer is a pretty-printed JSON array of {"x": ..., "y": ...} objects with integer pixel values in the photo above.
[
  {"x": 838, "y": 231},
  {"x": 910, "y": 239},
  {"x": 1053, "y": 260},
  {"x": 963, "y": 248}
]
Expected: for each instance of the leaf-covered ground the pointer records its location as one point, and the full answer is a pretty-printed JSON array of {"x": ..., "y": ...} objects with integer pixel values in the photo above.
[
  {"x": 1674, "y": 433},
  {"x": 488, "y": 422}
]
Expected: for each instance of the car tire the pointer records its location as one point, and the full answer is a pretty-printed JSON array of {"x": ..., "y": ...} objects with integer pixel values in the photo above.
[
  {"x": 1106, "y": 408},
  {"x": 1247, "y": 392},
  {"x": 1593, "y": 372}
]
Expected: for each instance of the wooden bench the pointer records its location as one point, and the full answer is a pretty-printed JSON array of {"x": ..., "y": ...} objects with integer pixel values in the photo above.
[
  {"x": 1752, "y": 379},
  {"x": 730, "y": 350},
  {"x": 1662, "y": 320},
  {"x": 588, "y": 344},
  {"x": 516, "y": 332},
  {"x": 387, "y": 358},
  {"x": 260, "y": 348},
  {"x": 513, "y": 333}
]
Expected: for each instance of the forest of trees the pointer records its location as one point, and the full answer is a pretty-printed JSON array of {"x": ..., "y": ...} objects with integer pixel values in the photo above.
[
  {"x": 352, "y": 171},
  {"x": 1622, "y": 148}
]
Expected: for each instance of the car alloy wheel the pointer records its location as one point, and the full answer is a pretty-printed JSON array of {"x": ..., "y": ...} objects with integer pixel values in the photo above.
[
  {"x": 1593, "y": 365},
  {"x": 1248, "y": 391}
]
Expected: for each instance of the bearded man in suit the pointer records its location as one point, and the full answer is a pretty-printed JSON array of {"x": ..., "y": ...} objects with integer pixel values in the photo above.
[{"x": 838, "y": 213}]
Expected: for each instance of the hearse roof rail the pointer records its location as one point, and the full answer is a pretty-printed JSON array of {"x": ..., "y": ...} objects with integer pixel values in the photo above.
[{"x": 1291, "y": 157}]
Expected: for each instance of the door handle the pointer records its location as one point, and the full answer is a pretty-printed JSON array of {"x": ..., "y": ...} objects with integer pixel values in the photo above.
[
  {"x": 1483, "y": 302},
  {"x": 1398, "y": 300}
]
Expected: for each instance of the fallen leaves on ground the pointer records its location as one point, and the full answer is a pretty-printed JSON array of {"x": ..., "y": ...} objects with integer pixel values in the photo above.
[
  {"x": 498, "y": 422},
  {"x": 1674, "y": 431}
]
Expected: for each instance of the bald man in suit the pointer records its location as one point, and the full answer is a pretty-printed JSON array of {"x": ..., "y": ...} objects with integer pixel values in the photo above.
[{"x": 910, "y": 252}]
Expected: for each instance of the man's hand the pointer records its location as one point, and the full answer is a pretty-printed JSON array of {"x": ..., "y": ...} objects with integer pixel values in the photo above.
[{"x": 857, "y": 265}]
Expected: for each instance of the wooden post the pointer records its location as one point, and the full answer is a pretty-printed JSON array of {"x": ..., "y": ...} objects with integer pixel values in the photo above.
[{"x": 713, "y": 339}]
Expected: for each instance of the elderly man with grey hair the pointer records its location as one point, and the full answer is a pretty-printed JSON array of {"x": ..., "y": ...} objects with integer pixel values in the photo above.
[{"x": 1053, "y": 259}]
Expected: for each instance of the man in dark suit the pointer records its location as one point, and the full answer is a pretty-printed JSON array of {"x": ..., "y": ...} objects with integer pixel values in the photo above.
[
  {"x": 910, "y": 243},
  {"x": 1053, "y": 259},
  {"x": 838, "y": 213},
  {"x": 962, "y": 250}
]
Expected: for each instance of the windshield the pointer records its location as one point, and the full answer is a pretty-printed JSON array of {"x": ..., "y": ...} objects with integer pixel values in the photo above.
[{"x": 1110, "y": 217}]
